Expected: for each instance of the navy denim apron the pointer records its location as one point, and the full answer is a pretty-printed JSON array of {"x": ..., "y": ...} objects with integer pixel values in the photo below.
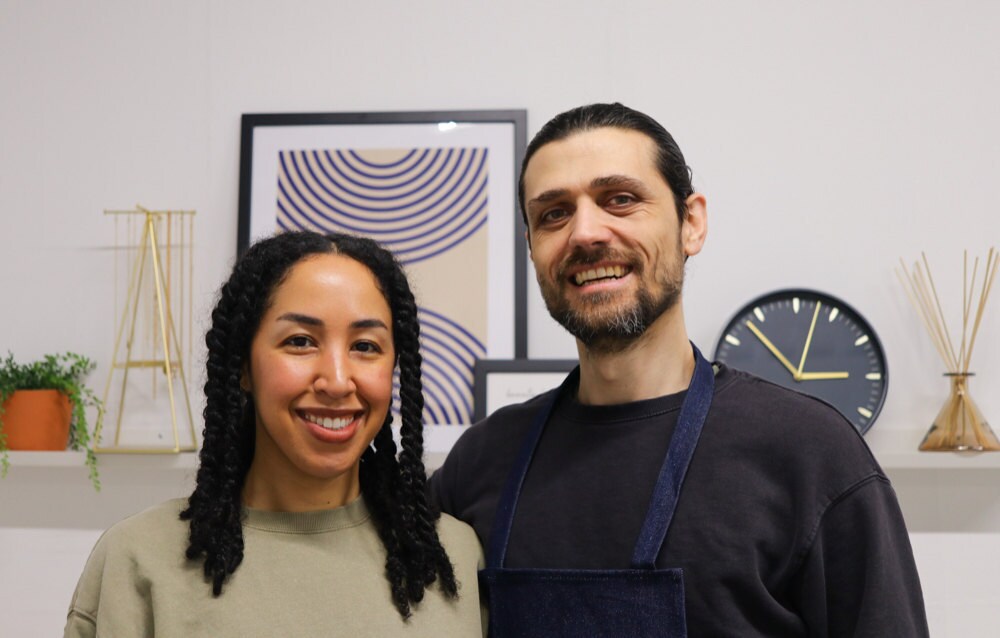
[{"x": 639, "y": 601}]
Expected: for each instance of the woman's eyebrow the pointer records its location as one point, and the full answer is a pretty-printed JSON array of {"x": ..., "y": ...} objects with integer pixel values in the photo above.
[
  {"x": 300, "y": 318},
  {"x": 369, "y": 323},
  {"x": 308, "y": 320}
]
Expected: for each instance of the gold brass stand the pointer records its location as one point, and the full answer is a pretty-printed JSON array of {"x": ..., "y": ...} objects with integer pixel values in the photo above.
[
  {"x": 162, "y": 352},
  {"x": 960, "y": 426}
]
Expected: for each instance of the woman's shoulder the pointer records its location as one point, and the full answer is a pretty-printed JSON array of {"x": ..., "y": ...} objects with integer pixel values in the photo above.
[
  {"x": 156, "y": 520},
  {"x": 458, "y": 539},
  {"x": 125, "y": 554},
  {"x": 149, "y": 528}
]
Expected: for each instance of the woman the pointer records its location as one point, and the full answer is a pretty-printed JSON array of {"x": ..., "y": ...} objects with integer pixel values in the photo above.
[{"x": 303, "y": 521}]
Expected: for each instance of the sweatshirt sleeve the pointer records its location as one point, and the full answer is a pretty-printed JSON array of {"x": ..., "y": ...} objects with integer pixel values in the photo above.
[
  {"x": 858, "y": 577},
  {"x": 111, "y": 598}
]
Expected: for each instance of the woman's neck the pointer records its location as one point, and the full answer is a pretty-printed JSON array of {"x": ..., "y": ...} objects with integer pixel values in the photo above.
[{"x": 267, "y": 489}]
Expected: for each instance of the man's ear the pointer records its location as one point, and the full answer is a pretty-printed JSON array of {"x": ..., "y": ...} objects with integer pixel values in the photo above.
[{"x": 695, "y": 226}]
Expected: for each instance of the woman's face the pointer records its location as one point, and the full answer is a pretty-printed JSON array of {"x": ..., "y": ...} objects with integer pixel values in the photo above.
[{"x": 320, "y": 375}]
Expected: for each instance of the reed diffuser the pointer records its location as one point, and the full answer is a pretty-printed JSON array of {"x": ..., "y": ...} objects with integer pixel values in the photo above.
[{"x": 959, "y": 426}]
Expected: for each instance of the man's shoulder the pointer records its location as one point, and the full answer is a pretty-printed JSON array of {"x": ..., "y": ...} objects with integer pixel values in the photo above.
[
  {"x": 755, "y": 396},
  {"x": 793, "y": 428},
  {"x": 504, "y": 426},
  {"x": 478, "y": 463}
]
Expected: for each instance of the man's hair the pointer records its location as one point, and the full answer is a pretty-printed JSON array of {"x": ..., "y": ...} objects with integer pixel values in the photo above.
[
  {"x": 669, "y": 159},
  {"x": 394, "y": 489}
]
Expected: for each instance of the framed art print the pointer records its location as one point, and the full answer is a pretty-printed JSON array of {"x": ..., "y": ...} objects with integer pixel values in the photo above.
[
  {"x": 438, "y": 189},
  {"x": 504, "y": 382}
]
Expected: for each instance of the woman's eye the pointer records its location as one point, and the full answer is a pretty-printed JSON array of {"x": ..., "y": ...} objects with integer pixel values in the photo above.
[
  {"x": 367, "y": 347},
  {"x": 299, "y": 341}
]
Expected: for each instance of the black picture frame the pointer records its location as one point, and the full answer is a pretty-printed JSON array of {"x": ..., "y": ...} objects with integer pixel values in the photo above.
[
  {"x": 328, "y": 124},
  {"x": 521, "y": 373}
]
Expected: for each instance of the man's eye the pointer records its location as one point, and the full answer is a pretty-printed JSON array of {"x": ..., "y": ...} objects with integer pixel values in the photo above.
[
  {"x": 552, "y": 215},
  {"x": 621, "y": 199}
]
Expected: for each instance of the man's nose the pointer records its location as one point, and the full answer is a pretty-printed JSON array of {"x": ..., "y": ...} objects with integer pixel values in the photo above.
[{"x": 589, "y": 225}]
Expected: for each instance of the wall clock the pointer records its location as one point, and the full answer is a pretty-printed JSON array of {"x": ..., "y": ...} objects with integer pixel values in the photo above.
[{"x": 814, "y": 343}]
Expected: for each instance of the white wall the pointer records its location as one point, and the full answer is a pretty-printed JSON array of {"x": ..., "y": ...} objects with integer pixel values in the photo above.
[{"x": 830, "y": 138}]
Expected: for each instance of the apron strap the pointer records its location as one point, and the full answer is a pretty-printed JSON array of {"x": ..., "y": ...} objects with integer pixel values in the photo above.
[
  {"x": 662, "y": 506},
  {"x": 503, "y": 519}
]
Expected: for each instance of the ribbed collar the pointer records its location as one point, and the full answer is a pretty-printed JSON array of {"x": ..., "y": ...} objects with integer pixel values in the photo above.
[
  {"x": 351, "y": 515},
  {"x": 573, "y": 410}
]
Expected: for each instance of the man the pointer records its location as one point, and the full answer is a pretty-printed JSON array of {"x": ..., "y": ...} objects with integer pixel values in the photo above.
[{"x": 654, "y": 493}]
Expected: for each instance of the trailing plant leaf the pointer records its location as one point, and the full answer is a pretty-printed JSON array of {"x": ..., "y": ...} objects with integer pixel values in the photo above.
[{"x": 65, "y": 373}]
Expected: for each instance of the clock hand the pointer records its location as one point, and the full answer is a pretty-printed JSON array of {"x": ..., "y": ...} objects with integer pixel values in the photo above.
[
  {"x": 770, "y": 346},
  {"x": 805, "y": 348},
  {"x": 819, "y": 376}
]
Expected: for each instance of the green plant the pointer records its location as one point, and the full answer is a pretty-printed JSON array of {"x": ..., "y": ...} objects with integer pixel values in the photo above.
[{"x": 62, "y": 372}]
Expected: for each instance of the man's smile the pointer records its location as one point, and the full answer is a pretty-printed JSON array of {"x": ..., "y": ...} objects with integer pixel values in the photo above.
[{"x": 600, "y": 273}]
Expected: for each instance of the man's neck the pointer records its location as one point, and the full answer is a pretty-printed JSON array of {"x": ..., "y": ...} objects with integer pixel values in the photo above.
[{"x": 659, "y": 363}]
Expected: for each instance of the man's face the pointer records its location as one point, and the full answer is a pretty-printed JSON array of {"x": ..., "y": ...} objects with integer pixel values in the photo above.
[{"x": 604, "y": 235}]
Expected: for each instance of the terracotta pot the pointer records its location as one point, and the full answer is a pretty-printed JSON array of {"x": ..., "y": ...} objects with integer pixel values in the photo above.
[{"x": 36, "y": 420}]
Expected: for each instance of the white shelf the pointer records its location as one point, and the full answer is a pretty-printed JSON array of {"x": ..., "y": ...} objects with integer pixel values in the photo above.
[
  {"x": 180, "y": 461},
  {"x": 916, "y": 460},
  {"x": 894, "y": 449}
]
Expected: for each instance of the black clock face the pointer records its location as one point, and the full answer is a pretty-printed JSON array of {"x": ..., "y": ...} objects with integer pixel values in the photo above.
[{"x": 813, "y": 343}]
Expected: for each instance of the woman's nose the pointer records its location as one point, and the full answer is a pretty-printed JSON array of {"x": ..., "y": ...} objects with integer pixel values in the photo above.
[{"x": 335, "y": 376}]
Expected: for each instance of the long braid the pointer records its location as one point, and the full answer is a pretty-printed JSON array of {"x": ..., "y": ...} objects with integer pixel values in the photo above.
[
  {"x": 214, "y": 507},
  {"x": 433, "y": 560},
  {"x": 379, "y": 482}
]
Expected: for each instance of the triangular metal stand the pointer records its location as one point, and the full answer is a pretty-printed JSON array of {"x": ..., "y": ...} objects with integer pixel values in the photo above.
[{"x": 172, "y": 362}]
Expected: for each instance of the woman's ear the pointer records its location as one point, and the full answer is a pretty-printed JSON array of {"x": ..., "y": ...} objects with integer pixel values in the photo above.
[{"x": 245, "y": 384}]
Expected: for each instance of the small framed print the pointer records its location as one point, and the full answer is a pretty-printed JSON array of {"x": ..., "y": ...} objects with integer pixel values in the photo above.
[
  {"x": 438, "y": 189},
  {"x": 501, "y": 382}
]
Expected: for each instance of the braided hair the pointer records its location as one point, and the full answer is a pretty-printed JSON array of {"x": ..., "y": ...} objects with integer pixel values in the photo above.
[{"x": 393, "y": 486}]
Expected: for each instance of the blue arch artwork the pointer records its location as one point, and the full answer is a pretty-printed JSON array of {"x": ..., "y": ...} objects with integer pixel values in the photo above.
[
  {"x": 449, "y": 356},
  {"x": 419, "y": 206},
  {"x": 419, "y": 203}
]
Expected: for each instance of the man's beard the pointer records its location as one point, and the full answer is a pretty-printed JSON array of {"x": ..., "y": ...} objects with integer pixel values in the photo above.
[{"x": 608, "y": 322}]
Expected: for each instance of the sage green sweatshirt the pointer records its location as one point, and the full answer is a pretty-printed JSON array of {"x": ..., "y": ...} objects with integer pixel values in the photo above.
[{"x": 303, "y": 574}]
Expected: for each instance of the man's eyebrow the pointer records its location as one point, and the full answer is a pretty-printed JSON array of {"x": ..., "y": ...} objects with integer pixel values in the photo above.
[
  {"x": 619, "y": 181},
  {"x": 613, "y": 181},
  {"x": 548, "y": 196}
]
